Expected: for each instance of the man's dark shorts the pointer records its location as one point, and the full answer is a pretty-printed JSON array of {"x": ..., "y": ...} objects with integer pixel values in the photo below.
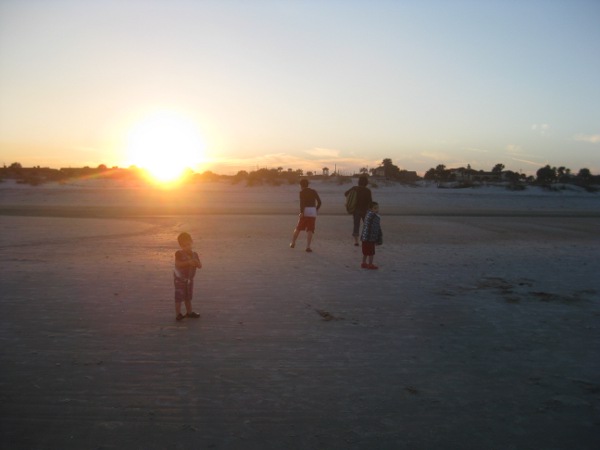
[{"x": 183, "y": 289}]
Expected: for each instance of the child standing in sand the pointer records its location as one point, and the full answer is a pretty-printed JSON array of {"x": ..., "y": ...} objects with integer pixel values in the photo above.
[
  {"x": 186, "y": 263},
  {"x": 371, "y": 236}
]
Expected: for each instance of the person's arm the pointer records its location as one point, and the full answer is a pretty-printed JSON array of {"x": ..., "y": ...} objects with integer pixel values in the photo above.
[
  {"x": 318, "y": 200},
  {"x": 197, "y": 261},
  {"x": 181, "y": 263},
  {"x": 301, "y": 203}
]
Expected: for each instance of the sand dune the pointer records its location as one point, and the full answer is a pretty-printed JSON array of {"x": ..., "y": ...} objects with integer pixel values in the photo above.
[{"x": 104, "y": 198}]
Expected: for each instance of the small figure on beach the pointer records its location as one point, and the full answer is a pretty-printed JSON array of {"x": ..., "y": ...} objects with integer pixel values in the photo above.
[
  {"x": 371, "y": 236},
  {"x": 187, "y": 262},
  {"x": 358, "y": 204},
  {"x": 310, "y": 203}
]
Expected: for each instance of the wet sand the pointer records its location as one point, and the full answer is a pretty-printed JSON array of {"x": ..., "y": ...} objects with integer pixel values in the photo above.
[{"x": 481, "y": 330}]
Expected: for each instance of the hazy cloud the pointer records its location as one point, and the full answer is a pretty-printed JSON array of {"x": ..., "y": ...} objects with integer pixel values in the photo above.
[
  {"x": 541, "y": 128},
  {"x": 591, "y": 138},
  {"x": 513, "y": 149},
  {"x": 85, "y": 149},
  {"x": 286, "y": 160},
  {"x": 437, "y": 156},
  {"x": 476, "y": 150},
  {"x": 531, "y": 163},
  {"x": 323, "y": 152}
]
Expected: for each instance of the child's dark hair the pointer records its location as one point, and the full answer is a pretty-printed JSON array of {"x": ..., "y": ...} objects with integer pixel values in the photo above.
[
  {"x": 363, "y": 180},
  {"x": 304, "y": 182},
  {"x": 373, "y": 205},
  {"x": 184, "y": 237}
]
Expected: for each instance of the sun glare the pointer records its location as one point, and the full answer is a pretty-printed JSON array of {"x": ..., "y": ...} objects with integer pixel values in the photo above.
[{"x": 165, "y": 144}]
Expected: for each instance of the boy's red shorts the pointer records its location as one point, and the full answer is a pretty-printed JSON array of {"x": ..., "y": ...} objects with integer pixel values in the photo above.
[
  {"x": 306, "y": 223},
  {"x": 368, "y": 248},
  {"x": 184, "y": 289}
]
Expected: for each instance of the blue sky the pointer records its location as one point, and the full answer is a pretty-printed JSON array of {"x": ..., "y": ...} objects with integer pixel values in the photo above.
[{"x": 305, "y": 84}]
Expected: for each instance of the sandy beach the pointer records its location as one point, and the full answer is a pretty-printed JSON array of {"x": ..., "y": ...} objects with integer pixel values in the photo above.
[{"x": 481, "y": 330}]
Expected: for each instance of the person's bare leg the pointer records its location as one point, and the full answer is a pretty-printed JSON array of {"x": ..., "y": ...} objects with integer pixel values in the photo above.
[
  {"x": 294, "y": 237},
  {"x": 178, "y": 315},
  {"x": 188, "y": 306},
  {"x": 309, "y": 236}
]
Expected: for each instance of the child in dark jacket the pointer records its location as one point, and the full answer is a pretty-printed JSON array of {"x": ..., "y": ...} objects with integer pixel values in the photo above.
[{"x": 371, "y": 236}]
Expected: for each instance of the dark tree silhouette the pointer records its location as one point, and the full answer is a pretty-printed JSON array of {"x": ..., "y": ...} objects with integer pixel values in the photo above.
[
  {"x": 546, "y": 175},
  {"x": 498, "y": 168}
]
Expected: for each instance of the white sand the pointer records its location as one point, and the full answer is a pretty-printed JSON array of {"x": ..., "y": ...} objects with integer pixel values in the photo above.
[{"x": 481, "y": 329}]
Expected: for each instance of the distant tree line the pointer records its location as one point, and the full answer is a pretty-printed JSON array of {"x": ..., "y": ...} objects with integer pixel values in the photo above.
[
  {"x": 37, "y": 175},
  {"x": 546, "y": 176},
  {"x": 274, "y": 177}
]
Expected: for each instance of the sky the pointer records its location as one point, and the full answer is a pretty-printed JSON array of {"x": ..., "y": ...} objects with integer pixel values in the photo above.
[{"x": 245, "y": 84}]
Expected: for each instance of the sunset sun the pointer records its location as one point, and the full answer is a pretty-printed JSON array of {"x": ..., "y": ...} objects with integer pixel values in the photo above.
[{"x": 165, "y": 144}]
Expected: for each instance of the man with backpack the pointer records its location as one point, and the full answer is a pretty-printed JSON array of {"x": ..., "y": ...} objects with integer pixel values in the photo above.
[{"x": 358, "y": 200}]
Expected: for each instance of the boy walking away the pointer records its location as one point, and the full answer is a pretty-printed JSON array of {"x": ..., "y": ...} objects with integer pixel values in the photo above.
[
  {"x": 371, "y": 236},
  {"x": 310, "y": 202},
  {"x": 186, "y": 263}
]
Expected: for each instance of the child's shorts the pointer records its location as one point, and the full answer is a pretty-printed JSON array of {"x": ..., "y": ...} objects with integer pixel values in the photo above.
[
  {"x": 368, "y": 248},
  {"x": 306, "y": 223},
  {"x": 184, "y": 289}
]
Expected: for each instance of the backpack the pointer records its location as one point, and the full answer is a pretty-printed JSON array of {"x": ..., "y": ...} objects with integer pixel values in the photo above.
[{"x": 351, "y": 201}]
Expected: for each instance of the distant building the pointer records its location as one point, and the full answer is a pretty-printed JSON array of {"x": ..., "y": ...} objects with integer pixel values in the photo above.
[
  {"x": 379, "y": 172},
  {"x": 470, "y": 175}
]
